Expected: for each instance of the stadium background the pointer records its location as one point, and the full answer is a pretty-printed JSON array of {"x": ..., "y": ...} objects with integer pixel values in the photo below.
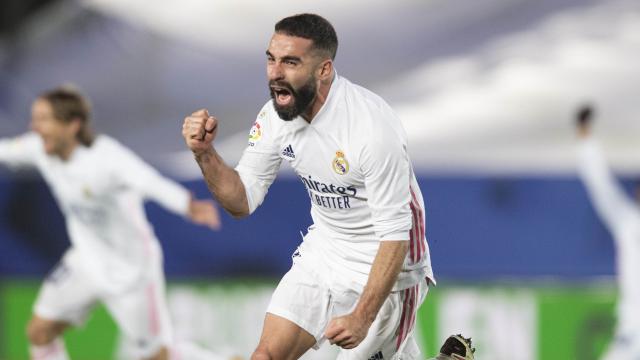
[{"x": 486, "y": 90}]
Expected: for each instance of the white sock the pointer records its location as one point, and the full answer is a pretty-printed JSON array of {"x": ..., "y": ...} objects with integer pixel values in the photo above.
[{"x": 55, "y": 350}]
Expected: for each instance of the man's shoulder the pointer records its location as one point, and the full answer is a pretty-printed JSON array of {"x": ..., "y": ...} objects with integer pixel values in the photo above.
[
  {"x": 371, "y": 117},
  {"x": 106, "y": 147},
  {"x": 266, "y": 127},
  {"x": 361, "y": 96},
  {"x": 368, "y": 110},
  {"x": 104, "y": 142},
  {"x": 267, "y": 112},
  {"x": 268, "y": 117}
]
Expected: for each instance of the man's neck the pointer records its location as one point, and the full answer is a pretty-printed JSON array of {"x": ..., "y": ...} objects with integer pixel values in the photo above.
[
  {"x": 65, "y": 154},
  {"x": 321, "y": 97}
]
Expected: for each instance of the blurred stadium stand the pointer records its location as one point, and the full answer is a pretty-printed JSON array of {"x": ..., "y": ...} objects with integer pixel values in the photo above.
[{"x": 478, "y": 229}]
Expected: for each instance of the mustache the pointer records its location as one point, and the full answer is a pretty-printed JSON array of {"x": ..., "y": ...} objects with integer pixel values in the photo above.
[{"x": 282, "y": 84}]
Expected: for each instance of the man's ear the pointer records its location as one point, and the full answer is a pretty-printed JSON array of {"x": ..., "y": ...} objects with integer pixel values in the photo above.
[
  {"x": 75, "y": 125},
  {"x": 325, "y": 70}
]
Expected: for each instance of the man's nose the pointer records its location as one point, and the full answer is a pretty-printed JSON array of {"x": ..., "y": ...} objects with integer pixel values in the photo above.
[{"x": 274, "y": 72}]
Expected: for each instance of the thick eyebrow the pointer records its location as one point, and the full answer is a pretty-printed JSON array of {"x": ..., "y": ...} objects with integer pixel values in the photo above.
[{"x": 285, "y": 58}]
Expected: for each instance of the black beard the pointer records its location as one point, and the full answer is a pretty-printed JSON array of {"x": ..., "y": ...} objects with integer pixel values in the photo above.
[{"x": 302, "y": 99}]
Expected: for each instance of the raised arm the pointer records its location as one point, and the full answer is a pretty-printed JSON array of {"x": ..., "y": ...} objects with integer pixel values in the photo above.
[
  {"x": 132, "y": 172},
  {"x": 606, "y": 193},
  {"x": 199, "y": 130},
  {"x": 20, "y": 150}
]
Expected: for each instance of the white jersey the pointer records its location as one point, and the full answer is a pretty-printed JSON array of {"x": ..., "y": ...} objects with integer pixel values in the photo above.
[
  {"x": 352, "y": 159},
  {"x": 622, "y": 217},
  {"x": 100, "y": 190}
]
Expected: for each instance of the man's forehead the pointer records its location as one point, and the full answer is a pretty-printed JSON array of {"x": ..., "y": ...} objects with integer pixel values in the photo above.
[
  {"x": 283, "y": 44},
  {"x": 40, "y": 105}
]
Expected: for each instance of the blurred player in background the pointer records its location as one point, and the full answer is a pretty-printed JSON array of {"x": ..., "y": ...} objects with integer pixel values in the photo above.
[
  {"x": 115, "y": 257},
  {"x": 363, "y": 268},
  {"x": 456, "y": 347},
  {"x": 621, "y": 214}
]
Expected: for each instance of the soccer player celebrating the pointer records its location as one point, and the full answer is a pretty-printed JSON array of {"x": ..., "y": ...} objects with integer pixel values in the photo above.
[
  {"x": 621, "y": 214},
  {"x": 363, "y": 268},
  {"x": 114, "y": 256}
]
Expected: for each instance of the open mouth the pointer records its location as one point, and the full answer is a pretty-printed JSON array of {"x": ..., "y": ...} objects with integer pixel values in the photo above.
[{"x": 282, "y": 95}]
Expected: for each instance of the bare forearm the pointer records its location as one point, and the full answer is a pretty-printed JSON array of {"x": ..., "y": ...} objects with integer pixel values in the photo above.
[
  {"x": 383, "y": 275},
  {"x": 224, "y": 183}
]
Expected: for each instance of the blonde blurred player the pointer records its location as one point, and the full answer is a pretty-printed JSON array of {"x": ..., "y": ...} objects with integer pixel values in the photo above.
[
  {"x": 364, "y": 267},
  {"x": 114, "y": 256},
  {"x": 621, "y": 214}
]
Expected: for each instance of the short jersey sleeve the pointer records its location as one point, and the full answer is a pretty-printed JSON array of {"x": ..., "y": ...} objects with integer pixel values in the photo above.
[
  {"x": 20, "y": 150},
  {"x": 386, "y": 169},
  {"x": 260, "y": 160}
]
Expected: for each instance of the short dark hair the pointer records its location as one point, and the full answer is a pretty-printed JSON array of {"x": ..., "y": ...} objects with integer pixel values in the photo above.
[
  {"x": 313, "y": 27},
  {"x": 69, "y": 104}
]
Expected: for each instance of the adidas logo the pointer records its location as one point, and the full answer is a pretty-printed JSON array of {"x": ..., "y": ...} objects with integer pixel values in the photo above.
[
  {"x": 288, "y": 152},
  {"x": 377, "y": 356}
]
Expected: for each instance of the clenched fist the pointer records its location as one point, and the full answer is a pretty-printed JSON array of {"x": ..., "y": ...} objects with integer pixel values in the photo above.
[
  {"x": 347, "y": 331},
  {"x": 199, "y": 129}
]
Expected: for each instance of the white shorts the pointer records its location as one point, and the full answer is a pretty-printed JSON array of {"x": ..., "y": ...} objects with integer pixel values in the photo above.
[
  {"x": 69, "y": 295},
  {"x": 303, "y": 298}
]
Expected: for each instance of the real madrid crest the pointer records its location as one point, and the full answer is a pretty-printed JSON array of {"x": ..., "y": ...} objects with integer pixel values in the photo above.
[{"x": 340, "y": 164}]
